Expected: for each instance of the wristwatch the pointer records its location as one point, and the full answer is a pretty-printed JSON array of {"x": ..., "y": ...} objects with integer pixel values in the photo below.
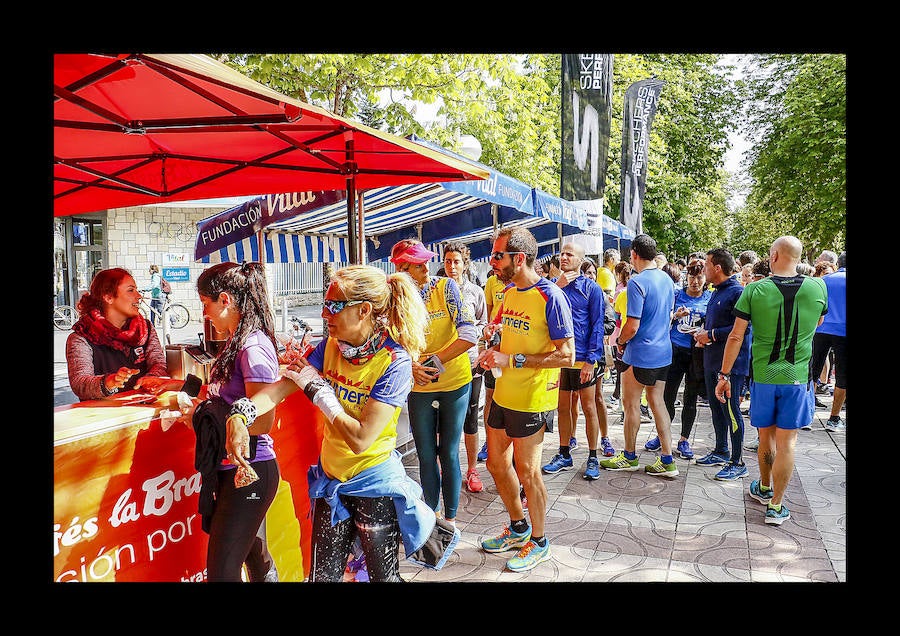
[{"x": 519, "y": 360}]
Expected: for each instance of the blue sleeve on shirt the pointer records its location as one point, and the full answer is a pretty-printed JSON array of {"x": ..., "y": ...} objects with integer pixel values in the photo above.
[
  {"x": 558, "y": 313},
  {"x": 395, "y": 385},
  {"x": 317, "y": 357},
  {"x": 596, "y": 312}
]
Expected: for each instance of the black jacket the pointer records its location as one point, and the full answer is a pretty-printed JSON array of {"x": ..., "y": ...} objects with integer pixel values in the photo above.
[{"x": 209, "y": 451}]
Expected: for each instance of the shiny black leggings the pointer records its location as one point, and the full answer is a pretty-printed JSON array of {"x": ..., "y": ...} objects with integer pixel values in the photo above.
[{"x": 374, "y": 521}]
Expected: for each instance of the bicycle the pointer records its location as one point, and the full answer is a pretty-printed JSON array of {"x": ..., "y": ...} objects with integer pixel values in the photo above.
[
  {"x": 64, "y": 316},
  {"x": 177, "y": 314}
]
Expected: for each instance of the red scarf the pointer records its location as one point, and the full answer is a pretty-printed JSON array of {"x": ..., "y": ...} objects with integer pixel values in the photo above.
[{"x": 100, "y": 331}]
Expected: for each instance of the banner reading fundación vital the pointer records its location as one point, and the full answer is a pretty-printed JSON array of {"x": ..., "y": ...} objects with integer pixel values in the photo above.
[
  {"x": 586, "y": 115},
  {"x": 641, "y": 99},
  {"x": 245, "y": 219}
]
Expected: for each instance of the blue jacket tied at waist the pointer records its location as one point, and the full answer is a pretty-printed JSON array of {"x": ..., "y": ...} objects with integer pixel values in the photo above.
[{"x": 388, "y": 479}]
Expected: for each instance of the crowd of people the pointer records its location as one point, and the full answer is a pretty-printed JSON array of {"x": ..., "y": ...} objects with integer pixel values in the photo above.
[{"x": 746, "y": 336}]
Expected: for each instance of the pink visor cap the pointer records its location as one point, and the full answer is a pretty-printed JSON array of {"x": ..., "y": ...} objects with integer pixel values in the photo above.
[{"x": 415, "y": 254}]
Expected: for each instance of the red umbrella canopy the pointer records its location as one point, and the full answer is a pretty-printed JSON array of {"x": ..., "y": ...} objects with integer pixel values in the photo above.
[{"x": 135, "y": 129}]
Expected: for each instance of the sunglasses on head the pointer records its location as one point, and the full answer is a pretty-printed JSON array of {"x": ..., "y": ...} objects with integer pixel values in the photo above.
[
  {"x": 498, "y": 256},
  {"x": 335, "y": 307}
]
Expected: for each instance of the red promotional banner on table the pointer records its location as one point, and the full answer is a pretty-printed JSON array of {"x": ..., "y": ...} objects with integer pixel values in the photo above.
[{"x": 125, "y": 500}]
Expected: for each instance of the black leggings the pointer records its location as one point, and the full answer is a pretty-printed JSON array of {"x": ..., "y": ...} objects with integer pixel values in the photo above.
[
  {"x": 687, "y": 364},
  {"x": 374, "y": 521},
  {"x": 237, "y": 533},
  {"x": 470, "y": 426}
]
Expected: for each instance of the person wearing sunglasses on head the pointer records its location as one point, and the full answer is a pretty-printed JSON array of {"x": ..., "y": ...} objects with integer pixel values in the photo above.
[
  {"x": 359, "y": 377},
  {"x": 439, "y": 400},
  {"x": 536, "y": 340}
]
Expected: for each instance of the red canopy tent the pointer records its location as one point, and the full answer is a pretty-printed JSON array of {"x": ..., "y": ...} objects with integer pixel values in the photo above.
[{"x": 133, "y": 129}]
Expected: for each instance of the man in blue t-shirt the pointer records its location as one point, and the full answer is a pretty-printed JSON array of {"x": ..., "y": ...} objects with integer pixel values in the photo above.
[
  {"x": 647, "y": 351},
  {"x": 832, "y": 334}
]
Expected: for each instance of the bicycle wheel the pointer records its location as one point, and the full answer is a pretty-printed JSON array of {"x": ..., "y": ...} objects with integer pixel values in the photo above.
[
  {"x": 64, "y": 316},
  {"x": 178, "y": 316}
]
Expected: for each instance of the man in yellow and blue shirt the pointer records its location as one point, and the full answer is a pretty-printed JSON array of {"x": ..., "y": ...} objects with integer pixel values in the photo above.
[{"x": 537, "y": 339}]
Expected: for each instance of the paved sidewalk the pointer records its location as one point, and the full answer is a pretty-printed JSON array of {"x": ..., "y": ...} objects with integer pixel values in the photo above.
[{"x": 634, "y": 527}]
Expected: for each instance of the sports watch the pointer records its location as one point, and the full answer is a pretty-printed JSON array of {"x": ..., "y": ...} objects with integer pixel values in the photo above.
[{"x": 519, "y": 360}]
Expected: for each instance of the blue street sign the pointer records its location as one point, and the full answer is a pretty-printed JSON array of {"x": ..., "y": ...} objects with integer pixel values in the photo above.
[{"x": 176, "y": 274}]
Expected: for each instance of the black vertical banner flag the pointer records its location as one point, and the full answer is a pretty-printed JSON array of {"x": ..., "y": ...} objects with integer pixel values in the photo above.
[
  {"x": 641, "y": 99},
  {"x": 586, "y": 114}
]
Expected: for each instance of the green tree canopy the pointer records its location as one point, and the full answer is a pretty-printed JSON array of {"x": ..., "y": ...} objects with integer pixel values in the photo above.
[
  {"x": 511, "y": 103},
  {"x": 796, "y": 110}
]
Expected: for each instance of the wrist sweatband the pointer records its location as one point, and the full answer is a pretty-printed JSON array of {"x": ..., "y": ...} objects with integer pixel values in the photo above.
[
  {"x": 246, "y": 408},
  {"x": 322, "y": 395}
]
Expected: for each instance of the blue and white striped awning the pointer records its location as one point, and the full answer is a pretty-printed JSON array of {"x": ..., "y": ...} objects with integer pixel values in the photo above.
[{"x": 435, "y": 213}]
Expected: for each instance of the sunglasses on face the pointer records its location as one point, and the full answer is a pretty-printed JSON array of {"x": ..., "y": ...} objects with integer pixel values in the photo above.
[
  {"x": 498, "y": 256},
  {"x": 335, "y": 307}
]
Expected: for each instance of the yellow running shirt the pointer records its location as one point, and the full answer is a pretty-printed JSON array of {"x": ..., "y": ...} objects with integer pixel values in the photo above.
[
  {"x": 445, "y": 312},
  {"x": 386, "y": 377},
  {"x": 494, "y": 289},
  {"x": 531, "y": 319}
]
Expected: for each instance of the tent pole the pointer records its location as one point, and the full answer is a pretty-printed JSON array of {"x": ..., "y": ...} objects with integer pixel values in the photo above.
[
  {"x": 361, "y": 234},
  {"x": 351, "y": 221},
  {"x": 351, "y": 201}
]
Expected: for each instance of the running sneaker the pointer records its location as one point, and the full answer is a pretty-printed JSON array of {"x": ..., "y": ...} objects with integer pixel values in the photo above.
[
  {"x": 711, "y": 459},
  {"x": 619, "y": 462},
  {"x": 473, "y": 481},
  {"x": 752, "y": 446},
  {"x": 506, "y": 540},
  {"x": 612, "y": 402},
  {"x": 777, "y": 517},
  {"x": 806, "y": 427},
  {"x": 660, "y": 469},
  {"x": 607, "y": 447},
  {"x": 645, "y": 414},
  {"x": 482, "y": 454},
  {"x": 653, "y": 445},
  {"x": 731, "y": 472},
  {"x": 835, "y": 424},
  {"x": 684, "y": 449},
  {"x": 592, "y": 471},
  {"x": 820, "y": 404},
  {"x": 762, "y": 496},
  {"x": 529, "y": 556},
  {"x": 557, "y": 464},
  {"x": 573, "y": 443}
]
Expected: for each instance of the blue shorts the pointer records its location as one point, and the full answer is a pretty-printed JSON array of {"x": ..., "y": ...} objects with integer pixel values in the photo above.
[{"x": 784, "y": 405}]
